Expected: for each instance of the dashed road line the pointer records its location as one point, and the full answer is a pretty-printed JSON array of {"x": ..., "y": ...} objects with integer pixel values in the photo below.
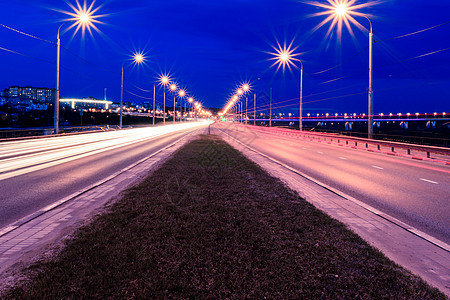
[
  {"x": 429, "y": 181},
  {"x": 343, "y": 158},
  {"x": 377, "y": 167}
]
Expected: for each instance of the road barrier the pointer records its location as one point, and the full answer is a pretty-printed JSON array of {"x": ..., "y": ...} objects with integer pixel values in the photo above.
[{"x": 394, "y": 148}]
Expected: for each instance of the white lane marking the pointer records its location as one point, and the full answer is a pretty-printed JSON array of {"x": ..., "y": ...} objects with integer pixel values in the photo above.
[
  {"x": 430, "y": 181},
  {"x": 319, "y": 152},
  {"x": 343, "y": 158},
  {"x": 377, "y": 167},
  {"x": 304, "y": 148}
]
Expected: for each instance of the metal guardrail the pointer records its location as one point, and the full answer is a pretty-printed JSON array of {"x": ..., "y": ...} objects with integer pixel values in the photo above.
[
  {"x": 366, "y": 143},
  {"x": 421, "y": 140}
]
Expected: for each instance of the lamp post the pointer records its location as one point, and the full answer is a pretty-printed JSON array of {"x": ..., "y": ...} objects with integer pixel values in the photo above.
[
  {"x": 191, "y": 101},
  {"x": 246, "y": 89},
  {"x": 254, "y": 109},
  {"x": 270, "y": 108},
  {"x": 181, "y": 94},
  {"x": 164, "y": 81},
  {"x": 341, "y": 13},
  {"x": 58, "y": 55},
  {"x": 173, "y": 89},
  {"x": 285, "y": 57},
  {"x": 138, "y": 58},
  {"x": 83, "y": 18},
  {"x": 370, "y": 90},
  {"x": 154, "y": 102}
]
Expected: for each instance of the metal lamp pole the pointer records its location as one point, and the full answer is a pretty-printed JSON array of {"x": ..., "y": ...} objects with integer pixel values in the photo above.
[
  {"x": 254, "y": 109},
  {"x": 121, "y": 100},
  {"x": 154, "y": 100},
  {"x": 300, "y": 120},
  {"x": 270, "y": 108},
  {"x": 164, "y": 107},
  {"x": 174, "y": 109},
  {"x": 246, "y": 109},
  {"x": 370, "y": 90},
  {"x": 58, "y": 57}
]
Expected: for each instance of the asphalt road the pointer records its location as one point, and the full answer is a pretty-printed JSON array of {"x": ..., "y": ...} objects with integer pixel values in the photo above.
[
  {"x": 415, "y": 192},
  {"x": 37, "y": 173}
]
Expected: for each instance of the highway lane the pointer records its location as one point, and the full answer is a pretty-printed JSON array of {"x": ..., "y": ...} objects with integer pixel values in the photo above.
[
  {"x": 415, "y": 192},
  {"x": 70, "y": 164}
]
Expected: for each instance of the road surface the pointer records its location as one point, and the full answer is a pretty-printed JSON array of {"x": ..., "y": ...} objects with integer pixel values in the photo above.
[
  {"x": 415, "y": 192},
  {"x": 37, "y": 173}
]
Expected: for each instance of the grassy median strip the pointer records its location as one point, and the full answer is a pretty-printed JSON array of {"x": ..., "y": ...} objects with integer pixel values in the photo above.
[{"x": 212, "y": 224}]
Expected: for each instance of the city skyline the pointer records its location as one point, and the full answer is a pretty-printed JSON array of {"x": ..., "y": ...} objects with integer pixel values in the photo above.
[{"x": 209, "y": 48}]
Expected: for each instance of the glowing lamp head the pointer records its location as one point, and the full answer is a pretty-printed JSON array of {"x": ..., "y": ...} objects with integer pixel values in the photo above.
[
  {"x": 341, "y": 10},
  {"x": 240, "y": 91},
  {"x": 164, "y": 80},
  {"x": 173, "y": 87},
  {"x": 84, "y": 18},
  {"x": 246, "y": 87},
  {"x": 191, "y": 99},
  {"x": 181, "y": 93},
  {"x": 138, "y": 58},
  {"x": 284, "y": 56}
]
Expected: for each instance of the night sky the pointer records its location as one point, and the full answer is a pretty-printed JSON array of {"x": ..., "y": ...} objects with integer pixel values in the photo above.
[{"x": 210, "y": 46}]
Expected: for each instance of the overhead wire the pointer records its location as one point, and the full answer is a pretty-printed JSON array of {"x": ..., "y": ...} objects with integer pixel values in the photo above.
[
  {"x": 413, "y": 33},
  {"x": 139, "y": 95},
  {"x": 26, "y": 34},
  {"x": 26, "y": 55}
]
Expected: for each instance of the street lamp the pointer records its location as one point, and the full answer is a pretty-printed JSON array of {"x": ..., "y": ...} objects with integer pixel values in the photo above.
[
  {"x": 164, "y": 81},
  {"x": 191, "y": 101},
  {"x": 245, "y": 89},
  {"x": 83, "y": 18},
  {"x": 137, "y": 58},
  {"x": 285, "y": 57},
  {"x": 341, "y": 13},
  {"x": 173, "y": 89},
  {"x": 181, "y": 94}
]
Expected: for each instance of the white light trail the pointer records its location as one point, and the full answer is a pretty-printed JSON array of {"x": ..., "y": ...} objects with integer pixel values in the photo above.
[{"x": 22, "y": 157}]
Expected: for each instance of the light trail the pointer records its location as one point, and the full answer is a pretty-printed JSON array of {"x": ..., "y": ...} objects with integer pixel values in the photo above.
[{"x": 22, "y": 157}]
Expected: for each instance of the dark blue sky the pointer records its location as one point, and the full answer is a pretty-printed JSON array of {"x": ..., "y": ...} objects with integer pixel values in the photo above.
[{"x": 211, "y": 46}]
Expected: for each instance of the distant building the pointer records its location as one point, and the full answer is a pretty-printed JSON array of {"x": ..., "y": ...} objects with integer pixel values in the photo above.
[
  {"x": 21, "y": 104},
  {"x": 85, "y": 103},
  {"x": 37, "y": 95}
]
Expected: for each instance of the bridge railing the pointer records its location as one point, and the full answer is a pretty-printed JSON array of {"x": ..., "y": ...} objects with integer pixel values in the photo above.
[{"x": 389, "y": 147}]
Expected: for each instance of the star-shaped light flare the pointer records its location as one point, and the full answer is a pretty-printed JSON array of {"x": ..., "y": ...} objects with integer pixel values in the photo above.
[
  {"x": 340, "y": 13},
  {"x": 284, "y": 56},
  {"x": 83, "y": 17},
  {"x": 138, "y": 58},
  {"x": 164, "y": 79}
]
